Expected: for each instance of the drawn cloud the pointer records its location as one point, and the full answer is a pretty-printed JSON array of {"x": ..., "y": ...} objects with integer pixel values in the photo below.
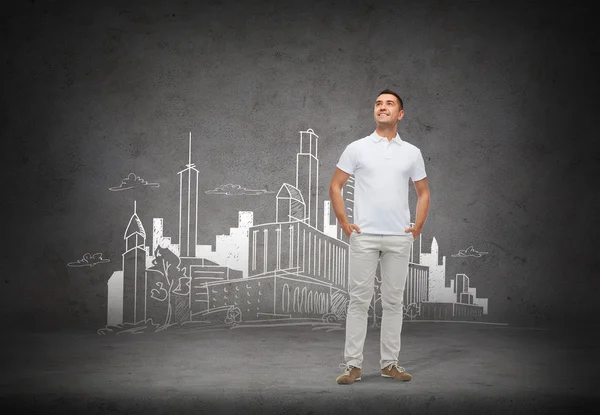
[
  {"x": 469, "y": 252},
  {"x": 89, "y": 260},
  {"x": 235, "y": 190},
  {"x": 131, "y": 181}
]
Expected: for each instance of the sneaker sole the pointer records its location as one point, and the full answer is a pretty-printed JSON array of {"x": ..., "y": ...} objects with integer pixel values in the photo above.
[
  {"x": 390, "y": 377},
  {"x": 355, "y": 380}
]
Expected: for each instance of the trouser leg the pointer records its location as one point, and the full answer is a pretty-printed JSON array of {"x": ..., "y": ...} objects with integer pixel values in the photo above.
[
  {"x": 394, "y": 271},
  {"x": 363, "y": 260}
]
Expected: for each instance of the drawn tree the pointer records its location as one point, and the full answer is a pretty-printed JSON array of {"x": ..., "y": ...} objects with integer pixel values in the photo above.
[
  {"x": 412, "y": 311},
  {"x": 339, "y": 307},
  {"x": 175, "y": 289},
  {"x": 234, "y": 316}
]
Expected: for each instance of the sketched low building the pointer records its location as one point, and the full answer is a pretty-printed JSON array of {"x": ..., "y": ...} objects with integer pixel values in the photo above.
[
  {"x": 268, "y": 296},
  {"x": 464, "y": 306},
  {"x": 450, "y": 298},
  {"x": 293, "y": 270},
  {"x": 202, "y": 272},
  {"x": 417, "y": 284},
  {"x": 297, "y": 248}
]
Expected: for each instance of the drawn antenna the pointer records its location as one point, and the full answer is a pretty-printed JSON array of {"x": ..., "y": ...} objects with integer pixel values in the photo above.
[{"x": 190, "y": 152}]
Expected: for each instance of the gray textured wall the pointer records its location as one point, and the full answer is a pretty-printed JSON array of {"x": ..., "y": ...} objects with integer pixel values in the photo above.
[{"x": 496, "y": 96}]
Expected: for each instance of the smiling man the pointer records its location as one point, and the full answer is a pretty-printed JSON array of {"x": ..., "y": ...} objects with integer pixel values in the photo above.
[{"x": 382, "y": 164}]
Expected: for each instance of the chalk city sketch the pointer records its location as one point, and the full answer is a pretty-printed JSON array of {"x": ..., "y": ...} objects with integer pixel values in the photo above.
[
  {"x": 132, "y": 181},
  {"x": 469, "y": 252},
  {"x": 235, "y": 190},
  {"x": 89, "y": 260},
  {"x": 293, "y": 270}
]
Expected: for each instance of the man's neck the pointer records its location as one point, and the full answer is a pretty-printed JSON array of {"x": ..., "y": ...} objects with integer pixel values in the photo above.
[{"x": 387, "y": 131}]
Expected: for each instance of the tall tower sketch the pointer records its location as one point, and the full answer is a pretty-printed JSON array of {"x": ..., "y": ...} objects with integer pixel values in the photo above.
[
  {"x": 307, "y": 174},
  {"x": 134, "y": 271},
  {"x": 188, "y": 208}
]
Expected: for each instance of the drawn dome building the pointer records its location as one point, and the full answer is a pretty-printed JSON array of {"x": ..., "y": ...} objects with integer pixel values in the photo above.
[{"x": 290, "y": 205}]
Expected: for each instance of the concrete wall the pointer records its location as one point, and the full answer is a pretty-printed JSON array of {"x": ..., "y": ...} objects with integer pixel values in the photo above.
[{"x": 496, "y": 96}]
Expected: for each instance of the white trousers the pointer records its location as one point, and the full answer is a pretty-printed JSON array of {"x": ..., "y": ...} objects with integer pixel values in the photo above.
[{"x": 365, "y": 251}]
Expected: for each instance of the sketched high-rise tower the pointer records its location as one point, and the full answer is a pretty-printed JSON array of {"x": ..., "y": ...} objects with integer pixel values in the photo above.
[
  {"x": 188, "y": 208},
  {"x": 307, "y": 174},
  {"x": 134, "y": 271}
]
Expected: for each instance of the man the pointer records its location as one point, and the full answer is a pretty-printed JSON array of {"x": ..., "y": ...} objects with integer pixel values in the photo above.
[{"x": 382, "y": 164}]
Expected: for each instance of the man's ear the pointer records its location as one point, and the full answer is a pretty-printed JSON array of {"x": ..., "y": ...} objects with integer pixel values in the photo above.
[{"x": 400, "y": 115}]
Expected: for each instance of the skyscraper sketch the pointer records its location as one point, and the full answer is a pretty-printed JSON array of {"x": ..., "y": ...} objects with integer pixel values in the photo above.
[
  {"x": 307, "y": 174},
  {"x": 134, "y": 264},
  {"x": 188, "y": 208}
]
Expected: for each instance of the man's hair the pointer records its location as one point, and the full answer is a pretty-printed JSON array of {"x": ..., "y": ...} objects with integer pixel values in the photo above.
[{"x": 389, "y": 91}]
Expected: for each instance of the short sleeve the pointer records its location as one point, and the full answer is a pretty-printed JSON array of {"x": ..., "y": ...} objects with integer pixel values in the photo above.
[
  {"x": 347, "y": 160},
  {"x": 418, "y": 168}
]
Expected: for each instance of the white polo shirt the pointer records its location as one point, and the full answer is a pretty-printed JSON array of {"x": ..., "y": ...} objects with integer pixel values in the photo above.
[{"x": 382, "y": 170}]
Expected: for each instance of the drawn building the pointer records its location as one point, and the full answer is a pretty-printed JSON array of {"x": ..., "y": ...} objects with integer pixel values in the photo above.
[
  {"x": 268, "y": 297},
  {"x": 290, "y": 205},
  {"x": 449, "y": 298},
  {"x": 417, "y": 284},
  {"x": 298, "y": 249},
  {"x": 188, "y": 208},
  {"x": 286, "y": 269},
  {"x": 203, "y": 272},
  {"x": 330, "y": 225},
  {"x": 231, "y": 250},
  {"x": 127, "y": 287},
  {"x": 348, "y": 197},
  {"x": 307, "y": 174},
  {"x": 438, "y": 292},
  {"x": 293, "y": 268}
]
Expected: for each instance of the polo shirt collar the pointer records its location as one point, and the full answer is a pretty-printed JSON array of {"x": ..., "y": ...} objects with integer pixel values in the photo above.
[{"x": 377, "y": 138}]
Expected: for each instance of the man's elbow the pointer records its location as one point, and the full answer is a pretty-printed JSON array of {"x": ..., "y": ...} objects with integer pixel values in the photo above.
[
  {"x": 424, "y": 195},
  {"x": 334, "y": 189}
]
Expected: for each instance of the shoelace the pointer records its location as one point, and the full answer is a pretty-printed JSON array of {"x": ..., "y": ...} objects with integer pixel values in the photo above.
[
  {"x": 395, "y": 365},
  {"x": 346, "y": 368}
]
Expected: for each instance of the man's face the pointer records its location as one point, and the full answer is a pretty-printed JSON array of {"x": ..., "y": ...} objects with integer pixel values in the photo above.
[{"x": 387, "y": 109}]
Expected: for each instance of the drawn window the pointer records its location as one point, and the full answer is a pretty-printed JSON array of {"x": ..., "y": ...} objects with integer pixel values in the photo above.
[
  {"x": 278, "y": 231},
  {"x": 315, "y": 255},
  {"x": 285, "y": 299},
  {"x": 303, "y": 249},
  {"x": 254, "y": 233},
  {"x": 291, "y": 262},
  {"x": 309, "y": 250},
  {"x": 265, "y": 245},
  {"x": 296, "y": 302},
  {"x": 303, "y": 302}
]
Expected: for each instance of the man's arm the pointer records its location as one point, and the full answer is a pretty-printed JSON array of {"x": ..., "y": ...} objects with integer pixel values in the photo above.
[
  {"x": 422, "y": 189},
  {"x": 338, "y": 180}
]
